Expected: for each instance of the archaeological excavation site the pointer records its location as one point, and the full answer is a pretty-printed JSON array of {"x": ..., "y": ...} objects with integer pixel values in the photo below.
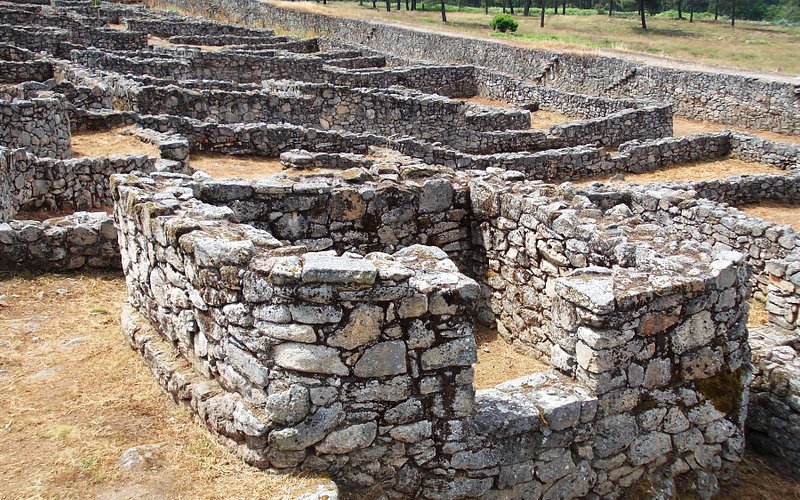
[{"x": 319, "y": 219}]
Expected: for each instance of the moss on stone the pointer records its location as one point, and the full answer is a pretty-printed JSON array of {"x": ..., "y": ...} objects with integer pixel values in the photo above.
[{"x": 724, "y": 390}]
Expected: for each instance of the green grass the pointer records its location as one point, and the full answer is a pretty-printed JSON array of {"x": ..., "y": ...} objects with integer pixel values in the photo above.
[{"x": 749, "y": 45}]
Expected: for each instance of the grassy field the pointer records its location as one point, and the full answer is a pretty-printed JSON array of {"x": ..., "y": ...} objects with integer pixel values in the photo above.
[{"x": 750, "y": 45}]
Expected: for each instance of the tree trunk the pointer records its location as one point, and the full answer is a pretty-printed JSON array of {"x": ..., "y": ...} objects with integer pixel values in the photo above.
[
  {"x": 388, "y": 5},
  {"x": 541, "y": 20},
  {"x": 733, "y": 13},
  {"x": 406, "y": 5},
  {"x": 691, "y": 14},
  {"x": 374, "y": 4},
  {"x": 680, "y": 10},
  {"x": 716, "y": 9},
  {"x": 641, "y": 14},
  {"x": 526, "y": 8},
  {"x": 511, "y": 6},
  {"x": 555, "y": 7},
  {"x": 564, "y": 8},
  {"x": 444, "y": 13},
  {"x": 486, "y": 7},
  {"x": 610, "y": 8}
]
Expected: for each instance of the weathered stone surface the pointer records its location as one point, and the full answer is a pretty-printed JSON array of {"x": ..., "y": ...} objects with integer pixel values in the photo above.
[
  {"x": 363, "y": 327},
  {"x": 310, "y": 358},
  {"x": 348, "y": 439},
  {"x": 458, "y": 352},
  {"x": 382, "y": 359},
  {"x": 328, "y": 269}
]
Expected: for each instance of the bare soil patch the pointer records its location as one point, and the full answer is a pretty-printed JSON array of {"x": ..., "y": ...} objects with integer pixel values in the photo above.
[
  {"x": 778, "y": 213},
  {"x": 42, "y": 215},
  {"x": 545, "y": 119},
  {"x": 499, "y": 361},
  {"x": 684, "y": 126},
  {"x": 539, "y": 119},
  {"x": 757, "y": 316},
  {"x": 75, "y": 397},
  {"x": 110, "y": 143},
  {"x": 485, "y": 101},
  {"x": 697, "y": 171},
  {"x": 249, "y": 167},
  {"x": 163, "y": 42}
]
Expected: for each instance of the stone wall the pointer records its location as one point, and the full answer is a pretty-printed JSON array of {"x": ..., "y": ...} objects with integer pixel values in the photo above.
[
  {"x": 24, "y": 71},
  {"x": 449, "y": 81},
  {"x": 360, "y": 365},
  {"x": 502, "y": 87},
  {"x": 79, "y": 240},
  {"x": 720, "y": 96},
  {"x": 783, "y": 292},
  {"x": 774, "y": 412},
  {"x": 40, "y": 125},
  {"x": 52, "y": 184},
  {"x": 168, "y": 28}
]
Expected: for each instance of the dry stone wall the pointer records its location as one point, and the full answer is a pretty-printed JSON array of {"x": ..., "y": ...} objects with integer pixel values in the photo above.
[
  {"x": 720, "y": 96},
  {"x": 303, "y": 319},
  {"x": 374, "y": 351},
  {"x": 40, "y": 125}
]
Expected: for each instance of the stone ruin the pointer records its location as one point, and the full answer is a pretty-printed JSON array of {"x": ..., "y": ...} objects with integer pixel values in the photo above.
[{"x": 323, "y": 319}]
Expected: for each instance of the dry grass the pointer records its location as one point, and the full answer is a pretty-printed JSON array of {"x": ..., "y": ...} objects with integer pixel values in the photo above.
[
  {"x": 41, "y": 215},
  {"x": 222, "y": 166},
  {"x": 698, "y": 171},
  {"x": 249, "y": 167},
  {"x": 684, "y": 126},
  {"x": 749, "y": 46},
  {"x": 485, "y": 101},
  {"x": 758, "y": 315},
  {"x": 110, "y": 143},
  {"x": 539, "y": 119},
  {"x": 756, "y": 480},
  {"x": 163, "y": 42},
  {"x": 499, "y": 362},
  {"x": 778, "y": 213},
  {"x": 75, "y": 397},
  {"x": 546, "y": 119}
]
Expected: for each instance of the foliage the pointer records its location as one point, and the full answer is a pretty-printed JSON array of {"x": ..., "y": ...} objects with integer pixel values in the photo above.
[{"x": 503, "y": 23}]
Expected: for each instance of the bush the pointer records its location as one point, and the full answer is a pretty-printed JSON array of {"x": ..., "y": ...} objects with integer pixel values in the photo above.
[{"x": 503, "y": 23}]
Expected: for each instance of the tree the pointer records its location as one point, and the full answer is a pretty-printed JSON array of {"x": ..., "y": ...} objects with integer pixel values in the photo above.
[
  {"x": 680, "y": 11},
  {"x": 541, "y": 21},
  {"x": 444, "y": 13},
  {"x": 486, "y": 7},
  {"x": 610, "y": 8},
  {"x": 388, "y": 5},
  {"x": 526, "y": 9},
  {"x": 733, "y": 13},
  {"x": 641, "y": 14}
]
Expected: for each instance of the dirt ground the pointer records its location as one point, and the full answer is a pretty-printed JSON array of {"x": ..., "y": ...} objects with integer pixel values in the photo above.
[
  {"x": 499, "y": 362},
  {"x": 248, "y": 167},
  {"x": 779, "y": 213},
  {"x": 697, "y": 171},
  {"x": 110, "y": 143},
  {"x": 41, "y": 215},
  {"x": 75, "y": 397},
  {"x": 539, "y": 119}
]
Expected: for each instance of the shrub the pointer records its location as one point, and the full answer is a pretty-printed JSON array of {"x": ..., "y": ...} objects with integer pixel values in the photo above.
[{"x": 503, "y": 23}]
